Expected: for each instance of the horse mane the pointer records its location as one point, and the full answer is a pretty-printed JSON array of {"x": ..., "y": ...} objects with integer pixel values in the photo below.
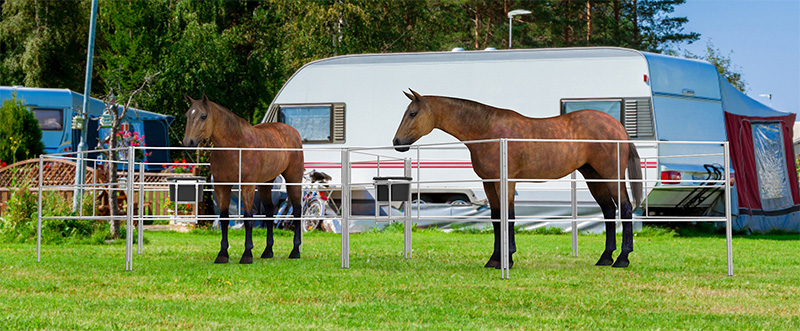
[
  {"x": 227, "y": 113},
  {"x": 473, "y": 112}
]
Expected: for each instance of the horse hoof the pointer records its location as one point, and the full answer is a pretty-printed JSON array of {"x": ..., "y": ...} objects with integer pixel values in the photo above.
[
  {"x": 621, "y": 263},
  {"x": 492, "y": 264},
  {"x": 605, "y": 260},
  {"x": 267, "y": 254},
  {"x": 246, "y": 260},
  {"x": 221, "y": 259},
  {"x": 295, "y": 254}
]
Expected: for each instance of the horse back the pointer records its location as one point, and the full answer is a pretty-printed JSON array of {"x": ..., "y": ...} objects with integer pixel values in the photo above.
[{"x": 281, "y": 134}]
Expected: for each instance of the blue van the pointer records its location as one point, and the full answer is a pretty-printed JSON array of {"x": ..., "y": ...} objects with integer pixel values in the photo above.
[{"x": 55, "y": 108}]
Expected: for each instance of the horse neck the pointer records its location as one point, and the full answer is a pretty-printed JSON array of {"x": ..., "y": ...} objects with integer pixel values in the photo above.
[
  {"x": 229, "y": 129},
  {"x": 468, "y": 120}
]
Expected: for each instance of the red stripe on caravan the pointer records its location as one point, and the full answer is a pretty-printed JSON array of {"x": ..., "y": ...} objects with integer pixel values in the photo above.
[{"x": 391, "y": 165}]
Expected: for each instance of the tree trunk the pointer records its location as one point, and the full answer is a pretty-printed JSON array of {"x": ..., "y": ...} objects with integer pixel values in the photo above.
[
  {"x": 113, "y": 179},
  {"x": 588, "y": 21}
]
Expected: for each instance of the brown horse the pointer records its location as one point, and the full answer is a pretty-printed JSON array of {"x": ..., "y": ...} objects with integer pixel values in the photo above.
[
  {"x": 207, "y": 119},
  {"x": 468, "y": 120}
]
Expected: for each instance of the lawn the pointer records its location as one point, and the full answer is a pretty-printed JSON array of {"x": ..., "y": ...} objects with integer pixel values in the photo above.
[{"x": 673, "y": 283}]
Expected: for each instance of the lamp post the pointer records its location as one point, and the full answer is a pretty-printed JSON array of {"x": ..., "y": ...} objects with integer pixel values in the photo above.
[
  {"x": 511, "y": 15},
  {"x": 768, "y": 96},
  {"x": 80, "y": 166}
]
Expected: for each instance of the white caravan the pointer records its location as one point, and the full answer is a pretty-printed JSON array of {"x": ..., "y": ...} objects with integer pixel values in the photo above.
[{"x": 358, "y": 100}]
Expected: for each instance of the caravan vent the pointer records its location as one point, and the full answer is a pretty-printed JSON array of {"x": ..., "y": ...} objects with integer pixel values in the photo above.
[
  {"x": 639, "y": 118},
  {"x": 338, "y": 123},
  {"x": 272, "y": 114}
]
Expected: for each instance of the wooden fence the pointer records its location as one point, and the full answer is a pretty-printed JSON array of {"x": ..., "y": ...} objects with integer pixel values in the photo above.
[{"x": 58, "y": 172}]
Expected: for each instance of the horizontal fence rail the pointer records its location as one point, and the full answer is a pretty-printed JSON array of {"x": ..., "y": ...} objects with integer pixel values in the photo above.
[{"x": 145, "y": 195}]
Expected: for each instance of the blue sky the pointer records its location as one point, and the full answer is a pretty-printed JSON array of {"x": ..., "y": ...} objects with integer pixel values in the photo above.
[{"x": 764, "y": 36}]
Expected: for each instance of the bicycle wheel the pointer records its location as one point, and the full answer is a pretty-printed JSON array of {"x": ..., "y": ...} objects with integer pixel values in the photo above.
[{"x": 313, "y": 208}]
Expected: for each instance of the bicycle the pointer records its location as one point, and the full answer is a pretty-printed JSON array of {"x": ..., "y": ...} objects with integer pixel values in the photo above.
[{"x": 315, "y": 203}]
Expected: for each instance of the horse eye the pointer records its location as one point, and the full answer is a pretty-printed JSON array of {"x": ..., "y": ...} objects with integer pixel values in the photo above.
[
  {"x": 203, "y": 116},
  {"x": 412, "y": 114}
]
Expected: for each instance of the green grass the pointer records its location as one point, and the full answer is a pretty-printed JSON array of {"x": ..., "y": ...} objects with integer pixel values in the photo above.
[{"x": 674, "y": 283}]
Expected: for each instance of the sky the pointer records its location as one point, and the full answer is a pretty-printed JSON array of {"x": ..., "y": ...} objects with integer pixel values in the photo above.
[{"x": 764, "y": 38}]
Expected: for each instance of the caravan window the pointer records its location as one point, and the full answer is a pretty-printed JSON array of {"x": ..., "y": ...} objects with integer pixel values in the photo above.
[
  {"x": 49, "y": 119},
  {"x": 316, "y": 123},
  {"x": 313, "y": 122},
  {"x": 611, "y": 107}
]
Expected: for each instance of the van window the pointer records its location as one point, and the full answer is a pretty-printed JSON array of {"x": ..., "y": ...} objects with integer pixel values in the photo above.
[
  {"x": 611, "y": 107},
  {"x": 49, "y": 119}
]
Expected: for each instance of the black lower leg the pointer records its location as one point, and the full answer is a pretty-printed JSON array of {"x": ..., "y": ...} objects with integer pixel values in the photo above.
[
  {"x": 270, "y": 241},
  {"x": 494, "y": 260},
  {"x": 627, "y": 237},
  {"x": 247, "y": 256},
  {"x": 611, "y": 244},
  {"x": 222, "y": 257},
  {"x": 298, "y": 228}
]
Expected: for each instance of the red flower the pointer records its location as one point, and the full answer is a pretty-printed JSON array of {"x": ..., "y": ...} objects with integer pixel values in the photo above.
[{"x": 2, "y": 164}]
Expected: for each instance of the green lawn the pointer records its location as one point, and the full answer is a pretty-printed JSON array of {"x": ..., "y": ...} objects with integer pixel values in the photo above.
[{"x": 673, "y": 283}]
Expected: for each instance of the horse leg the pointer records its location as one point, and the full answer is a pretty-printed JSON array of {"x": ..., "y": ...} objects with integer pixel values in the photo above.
[
  {"x": 223, "y": 194},
  {"x": 248, "y": 194},
  {"x": 295, "y": 193},
  {"x": 265, "y": 194},
  {"x": 626, "y": 213},
  {"x": 601, "y": 194},
  {"x": 627, "y": 236},
  {"x": 494, "y": 204}
]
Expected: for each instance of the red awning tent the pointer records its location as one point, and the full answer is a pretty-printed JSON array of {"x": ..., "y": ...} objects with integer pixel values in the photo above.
[{"x": 763, "y": 159}]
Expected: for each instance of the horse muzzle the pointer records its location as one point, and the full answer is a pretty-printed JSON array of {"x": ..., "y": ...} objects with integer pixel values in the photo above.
[
  {"x": 403, "y": 145},
  {"x": 189, "y": 142}
]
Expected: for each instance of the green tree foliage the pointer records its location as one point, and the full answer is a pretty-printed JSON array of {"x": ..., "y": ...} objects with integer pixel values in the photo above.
[
  {"x": 20, "y": 135},
  {"x": 724, "y": 65},
  {"x": 43, "y": 43}
]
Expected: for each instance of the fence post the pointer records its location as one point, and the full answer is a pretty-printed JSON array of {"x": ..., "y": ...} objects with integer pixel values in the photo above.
[
  {"x": 141, "y": 206},
  {"x": 39, "y": 218},
  {"x": 728, "y": 230},
  {"x": 503, "y": 193},
  {"x": 345, "y": 208},
  {"x": 574, "y": 196},
  {"x": 129, "y": 214},
  {"x": 407, "y": 210}
]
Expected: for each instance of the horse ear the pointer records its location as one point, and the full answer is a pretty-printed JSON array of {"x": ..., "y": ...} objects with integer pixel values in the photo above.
[
  {"x": 205, "y": 98},
  {"x": 187, "y": 98},
  {"x": 417, "y": 97},
  {"x": 409, "y": 96}
]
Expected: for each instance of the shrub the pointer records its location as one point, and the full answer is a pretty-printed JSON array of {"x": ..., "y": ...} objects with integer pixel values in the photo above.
[
  {"x": 19, "y": 131},
  {"x": 19, "y": 224}
]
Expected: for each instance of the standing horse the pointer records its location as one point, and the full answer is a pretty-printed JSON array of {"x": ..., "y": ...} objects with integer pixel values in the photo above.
[
  {"x": 207, "y": 119},
  {"x": 468, "y": 120}
]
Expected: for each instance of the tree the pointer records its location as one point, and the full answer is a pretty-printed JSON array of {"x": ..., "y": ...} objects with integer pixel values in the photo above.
[
  {"x": 722, "y": 62},
  {"x": 42, "y": 43},
  {"x": 21, "y": 137},
  {"x": 112, "y": 142}
]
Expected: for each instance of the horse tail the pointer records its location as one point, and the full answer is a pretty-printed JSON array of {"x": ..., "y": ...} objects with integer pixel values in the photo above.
[{"x": 635, "y": 172}]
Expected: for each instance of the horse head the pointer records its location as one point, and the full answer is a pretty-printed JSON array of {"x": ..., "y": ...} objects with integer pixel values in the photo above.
[
  {"x": 418, "y": 120},
  {"x": 199, "y": 121}
]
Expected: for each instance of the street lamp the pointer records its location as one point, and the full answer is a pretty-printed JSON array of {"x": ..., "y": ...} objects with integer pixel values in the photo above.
[
  {"x": 768, "y": 96},
  {"x": 511, "y": 15}
]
